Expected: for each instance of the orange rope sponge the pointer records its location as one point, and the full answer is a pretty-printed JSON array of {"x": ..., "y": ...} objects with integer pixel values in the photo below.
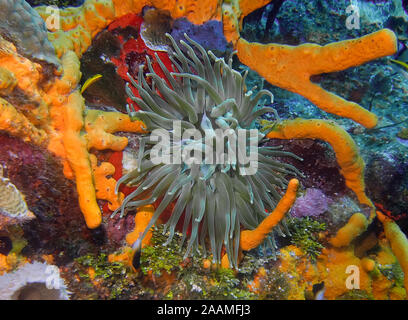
[
  {"x": 233, "y": 13},
  {"x": 16, "y": 124},
  {"x": 100, "y": 125},
  {"x": 142, "y": 218},
  {"x": 290, "y": 67},
  {"x": 250, "y": 239},
  {"x": 356, "y": 225},
  {"x": 347, "y": 155},
  {"x": 104, "y": 186},
  {"x": 398, "y": 241}
]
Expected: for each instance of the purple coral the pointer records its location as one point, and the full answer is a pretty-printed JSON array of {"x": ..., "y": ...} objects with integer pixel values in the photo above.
[{"x": 312, "y": 204}]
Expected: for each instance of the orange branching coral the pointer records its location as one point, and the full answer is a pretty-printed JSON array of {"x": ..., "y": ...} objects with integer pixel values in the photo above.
[
  {"x": 350, "y": 162},
  {"x": 398, "y": 241},
  {"x": 59, "y": 121},
  {"x": 285, "y": 67},
  {"x": 331, "y": 268},
  {"x": 250, "y": 239},
  {"x": 196, "y": 11}
]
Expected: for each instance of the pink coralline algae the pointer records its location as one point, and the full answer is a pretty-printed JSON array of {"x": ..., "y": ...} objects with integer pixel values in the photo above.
[{"x": 312, "y": 204}]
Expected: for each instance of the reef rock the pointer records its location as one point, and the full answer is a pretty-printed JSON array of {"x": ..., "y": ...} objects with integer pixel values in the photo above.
[{"x": 23, "y": 26}]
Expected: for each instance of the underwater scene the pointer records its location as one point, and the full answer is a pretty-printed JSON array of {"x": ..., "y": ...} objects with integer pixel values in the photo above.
[{"x": 203, "y": 150}]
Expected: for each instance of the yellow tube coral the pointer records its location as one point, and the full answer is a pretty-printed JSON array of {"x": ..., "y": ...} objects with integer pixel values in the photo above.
[
  {"x": 348, "y": 158},
  {"x": 284, "y": 66}
]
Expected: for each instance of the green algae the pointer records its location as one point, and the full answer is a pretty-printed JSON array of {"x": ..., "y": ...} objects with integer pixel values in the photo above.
[
  {"x": 393, "y": 272},
  {"x": 157, "y": 258},
  {"x": 304, "y": 233},
  {"x": 356, "y": 294},
  {"x": 113, "y": 276}
]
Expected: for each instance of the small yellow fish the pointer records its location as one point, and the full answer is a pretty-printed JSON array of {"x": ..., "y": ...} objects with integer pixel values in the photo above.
[
  {"x": 401, "y": 63},
  {"x": 90, "y": 81}
]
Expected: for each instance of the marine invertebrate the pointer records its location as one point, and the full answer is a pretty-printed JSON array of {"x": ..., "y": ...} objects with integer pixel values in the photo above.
[
  {"x": 347, "y": 155},
  {"x": 24, "y": 26},
  {"x": 312, "y": 204},
  {"x": 355, "y": 226},
  {"x": 18, "y": 125},
  {"x": 79, "y": 25},
  {"x": 220, "y": 193},
  {"x": 13, "y": 207},
  {"x": 280, "y": 66},
  {"x": 33, "y": 281},
  {"x": 398, "y": 241}
]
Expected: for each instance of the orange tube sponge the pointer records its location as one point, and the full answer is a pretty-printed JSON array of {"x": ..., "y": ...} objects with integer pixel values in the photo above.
[
  {"x": 142, "y": 218},
  {"x": 7, "y": 81},
  {"x": 250, "y": 239},
  {"x": 105, "y": 187},
  {"x": 399, "y": 243},
  {"x": 356, "y": 225},
  {"x": 99, "y": 125},
  {"x": 347, "y": 155},
  {"x": 16, "y": 124},
  {"x": 197, "y": 12},
  {"x": 284, "y": 66},
  {"x": 233, "y": 13},
  {"x": 19, "y": 71},
  {"x": 77, "y": 154},
  {"x": 78, "y": 25}
]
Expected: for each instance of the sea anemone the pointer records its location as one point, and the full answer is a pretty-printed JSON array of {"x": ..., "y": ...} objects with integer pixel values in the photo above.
[{"x": 200, "y": 106}]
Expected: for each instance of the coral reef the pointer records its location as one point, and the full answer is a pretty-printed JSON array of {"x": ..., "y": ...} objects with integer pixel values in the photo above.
[{"x": 71, "y": 156}]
